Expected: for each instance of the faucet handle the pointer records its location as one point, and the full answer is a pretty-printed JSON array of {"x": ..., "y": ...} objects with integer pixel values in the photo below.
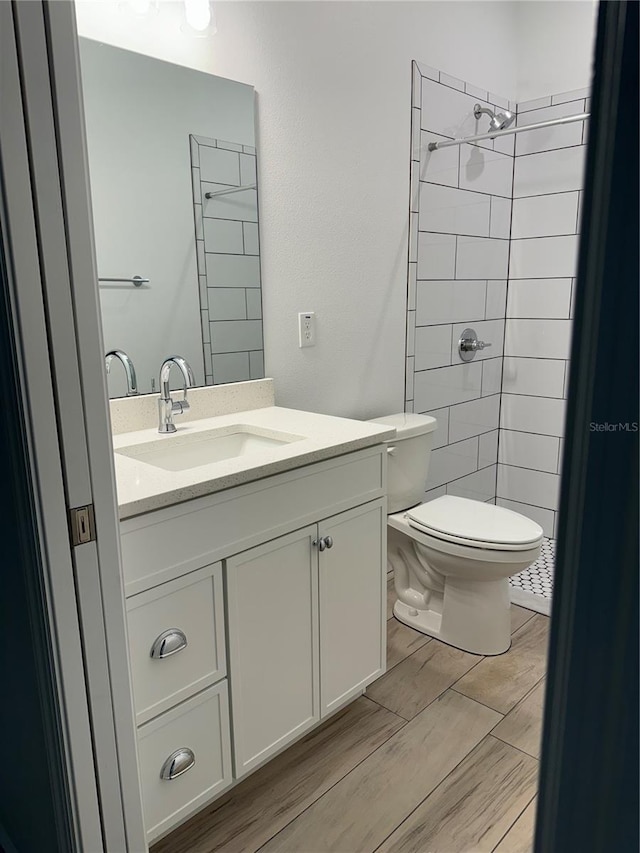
[
  {"x": 180, "y": 406},
  {"x": 184, "y": 402}
]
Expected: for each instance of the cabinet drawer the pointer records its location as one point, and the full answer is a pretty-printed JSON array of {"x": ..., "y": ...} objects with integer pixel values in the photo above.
[
  {"x": 197, "y": 731},
  {"x": 165, "y": 544},
  {"x": 160, "y": 621}
]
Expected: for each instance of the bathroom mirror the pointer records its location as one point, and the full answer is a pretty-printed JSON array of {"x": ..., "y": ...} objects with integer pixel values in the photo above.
[{"x": 172, "y": 164}]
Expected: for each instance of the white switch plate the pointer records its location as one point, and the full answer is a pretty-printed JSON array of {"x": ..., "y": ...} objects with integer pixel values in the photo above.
[{"x": 307, "y": 329}]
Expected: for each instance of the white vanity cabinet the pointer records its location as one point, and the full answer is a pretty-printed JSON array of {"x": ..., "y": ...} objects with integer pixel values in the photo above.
[
  {"x": 268, "y": 598},
  {"x": 306, "y": 616}
]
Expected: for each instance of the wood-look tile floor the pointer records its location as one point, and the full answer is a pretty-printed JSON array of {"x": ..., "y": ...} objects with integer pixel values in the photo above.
[{"x": 440, "y": 756}]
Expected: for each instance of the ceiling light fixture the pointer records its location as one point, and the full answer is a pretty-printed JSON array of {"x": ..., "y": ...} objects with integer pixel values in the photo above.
[
  {"x": 199, "y": 17},
  {"x": 139, "y": 9}
]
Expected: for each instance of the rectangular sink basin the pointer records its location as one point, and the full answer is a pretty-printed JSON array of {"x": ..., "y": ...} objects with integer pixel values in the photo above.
[{"x": 182, "y": 452}]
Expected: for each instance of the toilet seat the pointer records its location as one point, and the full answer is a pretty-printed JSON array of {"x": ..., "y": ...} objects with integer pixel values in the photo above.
[{"x": 474, "y": 524}]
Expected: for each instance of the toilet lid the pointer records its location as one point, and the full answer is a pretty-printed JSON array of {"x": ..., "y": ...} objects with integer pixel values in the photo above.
[{"x": 454, "y": 518}]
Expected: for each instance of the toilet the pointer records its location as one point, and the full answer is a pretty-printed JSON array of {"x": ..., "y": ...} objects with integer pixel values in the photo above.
[{"x": 451, "y": 557}]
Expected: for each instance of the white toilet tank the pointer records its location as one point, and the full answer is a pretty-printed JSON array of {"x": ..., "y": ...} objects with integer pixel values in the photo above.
[{"x": 408, "y": 458}]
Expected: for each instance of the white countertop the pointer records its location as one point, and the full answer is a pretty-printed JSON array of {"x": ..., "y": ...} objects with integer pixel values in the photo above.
[{"x": 143, "y": 487}]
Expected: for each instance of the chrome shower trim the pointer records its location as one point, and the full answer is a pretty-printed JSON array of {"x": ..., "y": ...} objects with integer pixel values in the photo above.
[
  {"x": 435, "y": 146},
  {"x": 498, "y": 121}
]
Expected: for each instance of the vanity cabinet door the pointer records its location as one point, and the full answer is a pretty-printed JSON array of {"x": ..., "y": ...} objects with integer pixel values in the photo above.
[
  {"x": 273, "y": 645},
  {"x": 352, "y": 603}
]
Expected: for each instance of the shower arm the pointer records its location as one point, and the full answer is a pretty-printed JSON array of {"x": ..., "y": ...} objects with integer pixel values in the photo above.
[
  {"x": 434, "y": 146},
  {"x": 478, "y": 111}
]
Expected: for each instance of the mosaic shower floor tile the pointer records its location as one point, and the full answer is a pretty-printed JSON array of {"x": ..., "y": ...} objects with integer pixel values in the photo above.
[{"x": 533, "y": 588}]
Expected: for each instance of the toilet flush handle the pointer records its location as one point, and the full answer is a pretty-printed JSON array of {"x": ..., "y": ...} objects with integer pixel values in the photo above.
[{"x": 391, "y": 451}]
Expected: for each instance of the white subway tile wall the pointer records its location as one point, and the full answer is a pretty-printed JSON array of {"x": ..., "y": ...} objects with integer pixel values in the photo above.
[
  {"x": 474, "y": 418},
  {"x": 543, "y": 257},
  {"x": 533, "y": 377},
  {"x": 447, "y": 301},
  {"x": 446, "y": 386},
  {"x": 459, "y": 279},
  {"x": 495, "y": 230},
  {"x": 500, "y": 217},
  {"x": 228, "y": 253},
  {"x": 555, "y": 171},
  {"x": 541, "y": 415},
  {"x": 452, "y": 211},
  {"x": 433, "y": 347},
  {"x": 479, "y": 486},
  {"x": 539, "y": 298},
  {"x": 486, "y": 171},
  {"x": 436, "y": 255},
  {"x": 526, "y": 485},
  {"x": 545, "y": 215},
  {"x": 488, "y": 448},
  {"x": 529, "y": 450},
  {"x": 496, "y": 299},
  {"x": 538, "y": 338},
  {"x": 481, "y": 256},
  {"x": 545, "y": 224}
]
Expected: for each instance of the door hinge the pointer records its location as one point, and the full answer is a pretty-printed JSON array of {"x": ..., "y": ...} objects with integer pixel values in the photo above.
[{"x": 82, "y": 525}]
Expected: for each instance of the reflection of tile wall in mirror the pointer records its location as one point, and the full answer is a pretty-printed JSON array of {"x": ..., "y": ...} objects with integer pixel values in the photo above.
[
  {"x": 139, "y": 115},
  {"x": 227, "y": 243}
]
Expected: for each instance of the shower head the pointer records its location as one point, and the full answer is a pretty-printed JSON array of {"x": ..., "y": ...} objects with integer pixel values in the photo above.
[{"x": 497, "y": 121}]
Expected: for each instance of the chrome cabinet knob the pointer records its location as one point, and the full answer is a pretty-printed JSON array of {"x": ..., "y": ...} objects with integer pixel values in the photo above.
[
  {"x": 469, "y": 345},
  {"x": 320, "y": 544},
  {"x": 168, "y": 643},
  {"x": 178, "y": 763},
  {"x": 328, "y": 541}
]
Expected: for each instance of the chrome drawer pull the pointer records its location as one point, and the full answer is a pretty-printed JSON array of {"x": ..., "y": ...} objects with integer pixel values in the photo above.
[
  {"x": 178, "y": 763},
  {"x": 168, "y": 643}
]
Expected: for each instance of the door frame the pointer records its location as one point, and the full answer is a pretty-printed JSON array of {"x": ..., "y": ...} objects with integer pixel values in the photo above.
[
  {"x": 588, "y": 797},
  {"x": 48, "y": 238}
]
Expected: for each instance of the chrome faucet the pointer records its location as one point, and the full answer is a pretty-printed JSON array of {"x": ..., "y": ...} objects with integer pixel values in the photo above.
[
  {"x": 129, "y": 369},
  {"x": 167, "y": 407}
]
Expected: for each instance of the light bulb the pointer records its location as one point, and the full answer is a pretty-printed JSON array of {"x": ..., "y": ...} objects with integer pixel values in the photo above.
[{"x": 197, "y": 14}]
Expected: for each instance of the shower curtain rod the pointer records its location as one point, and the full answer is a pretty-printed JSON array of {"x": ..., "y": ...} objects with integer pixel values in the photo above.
[{"x": 434, "y": 146}]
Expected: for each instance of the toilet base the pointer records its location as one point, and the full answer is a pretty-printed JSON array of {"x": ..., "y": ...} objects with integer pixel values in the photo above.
[{"x": 481, "y": 623}]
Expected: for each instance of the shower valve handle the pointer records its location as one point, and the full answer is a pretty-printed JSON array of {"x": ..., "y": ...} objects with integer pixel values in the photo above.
[{"x": 468, "y": 345}]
